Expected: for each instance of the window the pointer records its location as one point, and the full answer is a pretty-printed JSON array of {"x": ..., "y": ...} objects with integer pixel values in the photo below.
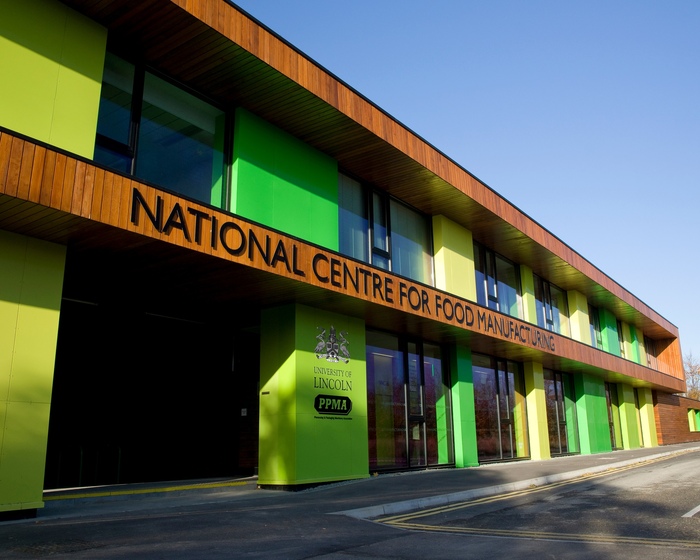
[
  {"x": 561, "y": 412},
  {"x": 594, "y": 319},
  {"x": 500, "y": 409},
  {"x": 621, "y": 339},
  {"x": 409, "y": 411},
  {"x": 380, "y": 230},
  {"x": 151, "y": 129},
  {"x": 650, "y": 348},
  {"x": 552, "y": 309},
  {"x": 497, "y": 282},
  {"x": 353, "y": 219}
]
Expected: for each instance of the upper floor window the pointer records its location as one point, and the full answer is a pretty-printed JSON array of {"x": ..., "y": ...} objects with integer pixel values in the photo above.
[
  {"x": 497, "y": 282},
  {"x": 594, "y": 319},
  {"x": 621, "y": 339},
  {"x": 650, "y": 348},
  {"x": 380, "y": 230},
  {"x": 160, "y": 133},
  {"x": 551, "y": 306}
]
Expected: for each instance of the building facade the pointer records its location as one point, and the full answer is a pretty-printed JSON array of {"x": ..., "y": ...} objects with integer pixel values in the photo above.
[{"x": 216, "y": 258}]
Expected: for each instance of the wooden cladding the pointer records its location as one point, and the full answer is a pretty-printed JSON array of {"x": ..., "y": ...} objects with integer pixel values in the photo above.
[
  {"x": 56, "y": 191},
  {"x": 216, "y": 49}
]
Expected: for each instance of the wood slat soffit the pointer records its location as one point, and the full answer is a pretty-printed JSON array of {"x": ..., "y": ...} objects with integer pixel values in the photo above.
[{"x": 213, "y": 47}]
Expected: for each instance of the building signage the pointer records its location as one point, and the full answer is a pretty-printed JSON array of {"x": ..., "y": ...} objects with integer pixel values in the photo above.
[{"x": 240, "y": 241}]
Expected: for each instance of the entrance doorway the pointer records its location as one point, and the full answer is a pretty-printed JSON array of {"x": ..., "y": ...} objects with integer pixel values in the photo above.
[
  {"x": 501, "y": 417},
  {"x": 408, "y": 404},
  {"x": 140, "y": 397},
  {"x": 611, "y": 398},
  {"x": 561, "y": 413}
]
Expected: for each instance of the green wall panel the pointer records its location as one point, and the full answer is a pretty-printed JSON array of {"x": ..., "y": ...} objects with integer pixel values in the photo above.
[
  {"x": 592, "y": 411},
  {"x": 572, "y": 433},
  {"x": 608, "y": 331},
  {"x": 304, "y": 439},
  {"x": 31, "y": 280},
  {"x": 51, "y": 61},
  {"x": 464, "y": 418},
  {"x": 280, "y": 182}
]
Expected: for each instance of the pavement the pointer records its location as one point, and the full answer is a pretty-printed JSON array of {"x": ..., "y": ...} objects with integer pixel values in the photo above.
[{"x": 383, "y": 494}]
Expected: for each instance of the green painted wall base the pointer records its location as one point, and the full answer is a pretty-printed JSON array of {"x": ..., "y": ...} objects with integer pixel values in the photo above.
[
  {"x": 592, "y": 410},
  {"x": 31, "y": 281},
  {"x": 313, "y": 410},
  {"x": 466, "y": 452}
]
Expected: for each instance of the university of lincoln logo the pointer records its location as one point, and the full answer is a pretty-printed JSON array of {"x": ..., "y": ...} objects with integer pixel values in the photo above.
[{"x": 332, "y": 349}]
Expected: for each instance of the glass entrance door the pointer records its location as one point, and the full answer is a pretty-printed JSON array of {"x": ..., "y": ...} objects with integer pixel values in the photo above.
[
  {"x": 613, "y": 415},
  {"x": 408, "y": 406},
  {"x": 416, "y": 416},
  {"x": 561, "y": 413},
  {"x": 499, "y": 399}
]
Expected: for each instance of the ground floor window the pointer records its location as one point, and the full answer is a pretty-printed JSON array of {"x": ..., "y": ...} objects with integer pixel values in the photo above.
[
  {"x": 561, "y": 413},
  {"x": 613, "y": 415},
  {"x": 408, "y": 404},
  {"x": 501, "y": 416}
]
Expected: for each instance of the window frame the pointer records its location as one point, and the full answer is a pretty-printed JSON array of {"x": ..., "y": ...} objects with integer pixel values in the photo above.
[
  {"x": 488, "y": 259},
  {"x": 376, "y": 253},
  {"x": 130, "y": 149}
]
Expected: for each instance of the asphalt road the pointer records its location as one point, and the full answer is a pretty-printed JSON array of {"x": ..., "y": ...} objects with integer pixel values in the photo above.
[
  {"x": 651, "y": 510},
  {"x": 621, "y": 513}
]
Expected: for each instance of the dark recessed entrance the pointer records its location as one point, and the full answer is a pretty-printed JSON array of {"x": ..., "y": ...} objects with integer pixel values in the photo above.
[{"x": 141, "y": 396}]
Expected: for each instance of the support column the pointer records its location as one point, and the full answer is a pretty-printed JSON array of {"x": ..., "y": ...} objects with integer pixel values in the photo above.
[
  {"x": 578, "y": 317},
  {"x": 646, "y": 415},
  {"x": 313, "y": 397},
  {"x": 31, "y": 282},
  {"x": 536, "y": 411},
  {"x": 608, "y": 331},
  {"x": 527, "y": 282},
  {"x": 592, "y": 411},
  {"x": 628, "y": 417},
  {"x": 466, "y": 452}
]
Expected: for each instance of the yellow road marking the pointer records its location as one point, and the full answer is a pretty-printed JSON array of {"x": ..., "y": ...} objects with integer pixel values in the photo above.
[
  {"x": 153, "y": 490},
  {"x": 403, "y": 521},
  {"x": 509, "y": 495},
  {"x": 542, "y": 535}
]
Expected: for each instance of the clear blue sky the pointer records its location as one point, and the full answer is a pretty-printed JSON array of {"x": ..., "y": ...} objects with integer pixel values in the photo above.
[{"x": 544, "y": 100}]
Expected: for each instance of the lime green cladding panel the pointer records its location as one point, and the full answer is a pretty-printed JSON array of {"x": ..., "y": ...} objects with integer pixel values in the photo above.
[
  {"x": 536, "y": 410},
  {"x": 466, "y": 452},
  {"x": 31, "y": 281},
  {"x": 592, "y": 411},
  {"x": 51, "y": 61},
  {"x": 313, "y": 397},
  {"x": 646, "y": 417},
  {"x": 527, "y": 282},
  {"x": 578, "y": 317},
  {"x": 454, "y": 258},
  {"x": 282, "y": 183},
  {"x": 629, "y": 417}
]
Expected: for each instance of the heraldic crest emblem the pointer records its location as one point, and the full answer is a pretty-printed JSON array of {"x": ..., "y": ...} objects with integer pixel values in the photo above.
[{"x": 332, "y": 348}]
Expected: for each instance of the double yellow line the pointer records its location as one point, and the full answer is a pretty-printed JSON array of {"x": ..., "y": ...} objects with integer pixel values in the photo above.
[
  {"x": 143, "y": 490},
  {"x": 406, "y": 521}
]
